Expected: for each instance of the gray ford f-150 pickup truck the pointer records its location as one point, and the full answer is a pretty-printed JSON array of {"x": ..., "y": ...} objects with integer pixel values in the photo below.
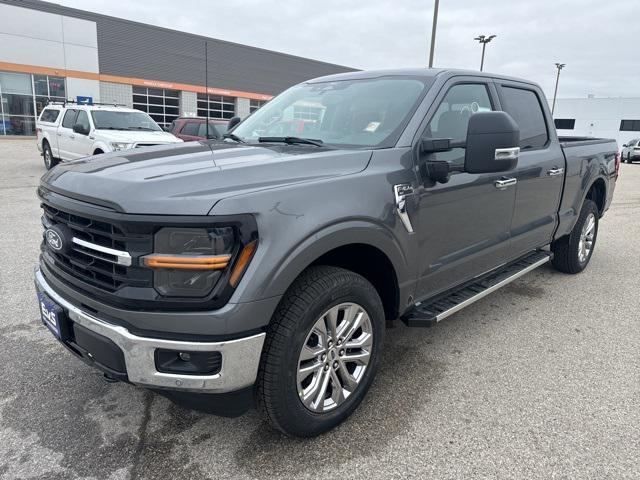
[{"x": 261, "y": 269}]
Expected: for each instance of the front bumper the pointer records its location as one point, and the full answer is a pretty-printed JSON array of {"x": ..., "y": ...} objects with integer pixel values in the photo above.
[{"x": 240, "y": 358}]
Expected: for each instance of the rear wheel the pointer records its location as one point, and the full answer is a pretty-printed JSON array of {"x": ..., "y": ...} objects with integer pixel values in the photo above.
[
  {"x": 47, "y": 155},
  {"x": 629, "y": 158},
  {"x": 322, "y": 351},
  {"x": 573, "y": 252}
]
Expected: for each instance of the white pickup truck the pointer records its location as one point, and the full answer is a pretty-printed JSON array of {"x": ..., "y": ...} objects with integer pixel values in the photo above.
[{"x": 70, "y": 131}]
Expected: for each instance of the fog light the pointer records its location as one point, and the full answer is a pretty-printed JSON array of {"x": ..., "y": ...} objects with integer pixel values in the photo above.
[
  {"x": 185, "y": 357},
  {"x": 188, "y": 363}
]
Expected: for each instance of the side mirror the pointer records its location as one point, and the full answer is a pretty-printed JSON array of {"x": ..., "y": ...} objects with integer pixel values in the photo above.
[
  {"x": 79, "y": 128},
  {"x": 492, "y": 143},
  {"x": 624, "y": 145},
  {"x": 233, "y": 122}
]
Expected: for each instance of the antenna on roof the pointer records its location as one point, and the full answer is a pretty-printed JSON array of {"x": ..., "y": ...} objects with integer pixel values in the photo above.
[{"x": 206, "y": 82}]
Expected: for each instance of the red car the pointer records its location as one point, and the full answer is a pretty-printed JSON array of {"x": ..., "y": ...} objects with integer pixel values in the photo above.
[{"x": 195, "y": 128}]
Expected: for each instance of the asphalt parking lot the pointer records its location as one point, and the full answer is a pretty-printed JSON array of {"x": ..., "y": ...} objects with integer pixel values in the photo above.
[{"x": 539, "y": 380}]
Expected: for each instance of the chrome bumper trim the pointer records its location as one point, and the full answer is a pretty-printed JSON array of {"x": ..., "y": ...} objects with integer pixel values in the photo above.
[{"x": 240, "y": 358}]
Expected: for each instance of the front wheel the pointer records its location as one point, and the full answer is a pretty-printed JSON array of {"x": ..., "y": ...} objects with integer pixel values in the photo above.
[
  {"x": 322, "y": 351},
  {"x": 47, "y": 156},
  {"x": 573, "y": 252}
]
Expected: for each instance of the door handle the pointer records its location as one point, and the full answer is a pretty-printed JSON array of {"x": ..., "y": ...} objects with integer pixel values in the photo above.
[
  {"x": 401, "y": 192},
  {"x": 555, "y": 171},
  {"x": 505, "y": 182},
  {"x": 59, "y": 134},
  {"x": 72, "y": 136}
]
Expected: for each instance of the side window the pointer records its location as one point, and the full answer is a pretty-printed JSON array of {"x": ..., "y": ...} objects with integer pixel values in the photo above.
[
  {"x": 452, "y": 117},
  {"x": 49, "y": 115},
  {"x": 83, "y": 119},
  {"x": 69, "y": 118},
  {"x": 213, "y": 132},
  {"x": 524, "y": 106},
  {"x": 190, "y": 128}
]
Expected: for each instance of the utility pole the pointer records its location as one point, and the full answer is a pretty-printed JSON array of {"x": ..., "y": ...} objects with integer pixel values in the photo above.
[
  {"x": 483, "y": 39},
  {"x": 433, "y": 32},
  {"x": 206, "y": 82},
  {"x": 559, "y": 66}
]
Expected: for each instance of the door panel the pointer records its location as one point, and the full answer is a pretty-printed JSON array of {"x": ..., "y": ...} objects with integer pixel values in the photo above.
[
  {"x": 464, "y": 223},
  {"x": 80, "y": 145},
  {"x": 540, "y": 170},
  {"x": 65, "y": 134}
]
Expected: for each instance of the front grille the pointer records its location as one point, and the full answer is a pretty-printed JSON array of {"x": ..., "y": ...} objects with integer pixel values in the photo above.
[{"x": 82, "y": 265}]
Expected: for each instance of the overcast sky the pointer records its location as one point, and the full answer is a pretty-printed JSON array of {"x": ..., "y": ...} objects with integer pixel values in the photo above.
[{"x": 598, "y": 40}]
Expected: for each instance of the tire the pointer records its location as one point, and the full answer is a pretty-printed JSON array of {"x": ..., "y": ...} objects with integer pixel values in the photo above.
[
  {"x": 300, "y": 319},
  {"x": 629, "y": 158},
  {"x": 569, "y": 255},
  {"x": 47, "y": 156}
]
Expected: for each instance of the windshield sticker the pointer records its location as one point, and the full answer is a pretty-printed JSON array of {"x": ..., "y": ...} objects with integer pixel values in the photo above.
[{"x": 372, "y": 127}]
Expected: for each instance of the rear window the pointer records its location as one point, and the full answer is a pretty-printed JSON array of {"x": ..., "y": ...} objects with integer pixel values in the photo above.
[
  {"x": 69, "y": 118},
  {"x": 524, "y": 106},
  {"x": 49, "y": 115}
]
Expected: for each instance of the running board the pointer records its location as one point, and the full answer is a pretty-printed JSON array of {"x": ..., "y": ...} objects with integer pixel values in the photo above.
[{"x": 427, "y": 314}]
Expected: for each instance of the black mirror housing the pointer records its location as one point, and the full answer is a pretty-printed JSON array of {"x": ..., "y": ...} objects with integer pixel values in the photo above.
[
  {"x": 492, "y": 143},
  {"x": 233, "y": 122},
  {"x": 79, "y": 128}
]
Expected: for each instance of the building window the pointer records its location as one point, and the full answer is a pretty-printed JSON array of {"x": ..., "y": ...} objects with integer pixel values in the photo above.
[
  {"x": 308, "y": 112},
  {"x": 162, "y": 105},
  {"x": 565, "y": 123},
  {"x": 219, "y": 106},
  {"x": 630, "y": 125},
  {"x": 255, "y": 105},
  {"x": 46, "y": 89}
]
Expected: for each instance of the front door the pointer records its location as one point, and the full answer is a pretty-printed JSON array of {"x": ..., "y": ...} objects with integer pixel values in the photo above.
[
  {"x": 80, "y": 145},
  {"x": 463, "y": 224}
]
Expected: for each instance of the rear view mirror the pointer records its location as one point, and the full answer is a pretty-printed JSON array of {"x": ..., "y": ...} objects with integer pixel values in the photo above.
[
  {"x": 233, "y": 122},
  {"x": 492, "y": 143}
]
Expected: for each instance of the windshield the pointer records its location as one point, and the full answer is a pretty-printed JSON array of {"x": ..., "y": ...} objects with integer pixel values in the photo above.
[
  {"x": 113, "y": 120},
  {"x": 358, "y": 113}
]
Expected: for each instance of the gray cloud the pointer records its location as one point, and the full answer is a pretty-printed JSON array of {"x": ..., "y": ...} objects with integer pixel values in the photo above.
[{"x": 597, "y": 40}]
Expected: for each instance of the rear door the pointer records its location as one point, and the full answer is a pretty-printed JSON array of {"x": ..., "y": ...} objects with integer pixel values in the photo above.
[
  {"x": 540, "y": 170},
  {"x": 464, "y": 223},
  {"x": 65, "y": 134}
]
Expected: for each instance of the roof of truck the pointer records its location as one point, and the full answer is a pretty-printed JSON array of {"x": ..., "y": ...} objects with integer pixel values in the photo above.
[{"x": 414, "y": 72}]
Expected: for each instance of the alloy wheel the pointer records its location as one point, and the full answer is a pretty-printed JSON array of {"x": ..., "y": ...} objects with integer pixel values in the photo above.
[
  {"x": 334, "y": 357},
  {"x": 587, "y": 237}
]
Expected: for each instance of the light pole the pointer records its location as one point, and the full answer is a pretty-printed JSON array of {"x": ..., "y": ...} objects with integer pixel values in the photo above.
[
  {"x": 433, "y": 32},
  {"x": 559, "y": 66},
  {"x": 484, "y": 40}
]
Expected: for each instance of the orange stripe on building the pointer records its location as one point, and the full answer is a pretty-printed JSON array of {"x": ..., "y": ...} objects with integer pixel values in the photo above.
[{"x": 143, "y": 82}]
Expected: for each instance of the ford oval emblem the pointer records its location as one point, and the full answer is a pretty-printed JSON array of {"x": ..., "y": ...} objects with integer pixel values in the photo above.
[{"x": 54, "y": 240}]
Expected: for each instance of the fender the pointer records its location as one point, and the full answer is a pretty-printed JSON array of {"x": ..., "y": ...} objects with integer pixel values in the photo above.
[{"x": 337, "y": 235}]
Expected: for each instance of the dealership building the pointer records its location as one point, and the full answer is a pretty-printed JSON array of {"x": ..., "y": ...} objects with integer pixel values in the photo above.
[
  {"x": 617, "y": 118},
  {"x": 52, "y": 52}
]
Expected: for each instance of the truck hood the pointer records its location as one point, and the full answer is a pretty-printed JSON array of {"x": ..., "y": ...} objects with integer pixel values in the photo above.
[
  {"x": 133, "y": 136},
  {"x": 190, "y": 178}
]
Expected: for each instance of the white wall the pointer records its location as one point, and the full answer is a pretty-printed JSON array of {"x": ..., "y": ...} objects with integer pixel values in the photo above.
[
  {"x": 599, "y": 117},
  {"x": 30, "y": 37}
]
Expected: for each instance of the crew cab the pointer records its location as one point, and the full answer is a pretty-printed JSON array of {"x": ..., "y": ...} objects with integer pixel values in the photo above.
[
  {"x": 70, "y": 131},
  {"x": 261, "y": 269}
]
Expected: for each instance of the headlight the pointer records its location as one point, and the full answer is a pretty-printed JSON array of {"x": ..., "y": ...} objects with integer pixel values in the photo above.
[
  {"x": 189, "y": 261},
  {"x": 120, "y": 145}
]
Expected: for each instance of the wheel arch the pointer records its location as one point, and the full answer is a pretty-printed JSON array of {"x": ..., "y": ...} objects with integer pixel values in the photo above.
[
  {"x": 597, "y": 192},
  {"x": 365, "y": 248}
]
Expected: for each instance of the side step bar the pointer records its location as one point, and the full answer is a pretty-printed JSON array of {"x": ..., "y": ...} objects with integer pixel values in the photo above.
[{"x": 430, "y": 312}]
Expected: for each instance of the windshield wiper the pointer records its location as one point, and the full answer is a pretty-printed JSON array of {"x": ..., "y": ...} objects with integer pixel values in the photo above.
[
  {"x": 234, "y": 137},
  {"x": 291, "y": 140},
  {"x": 141, "y": 128}
]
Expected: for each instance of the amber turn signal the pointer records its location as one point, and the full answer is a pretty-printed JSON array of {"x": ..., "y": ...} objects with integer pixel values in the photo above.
[
  {"x": 185, "y": 262},
  {"x": 243, "y": 261}
]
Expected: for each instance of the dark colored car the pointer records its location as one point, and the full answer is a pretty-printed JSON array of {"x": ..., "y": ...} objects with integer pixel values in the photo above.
[
  {"x": 195, "y": 128},
  {"x": 262, "y": 268}
]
